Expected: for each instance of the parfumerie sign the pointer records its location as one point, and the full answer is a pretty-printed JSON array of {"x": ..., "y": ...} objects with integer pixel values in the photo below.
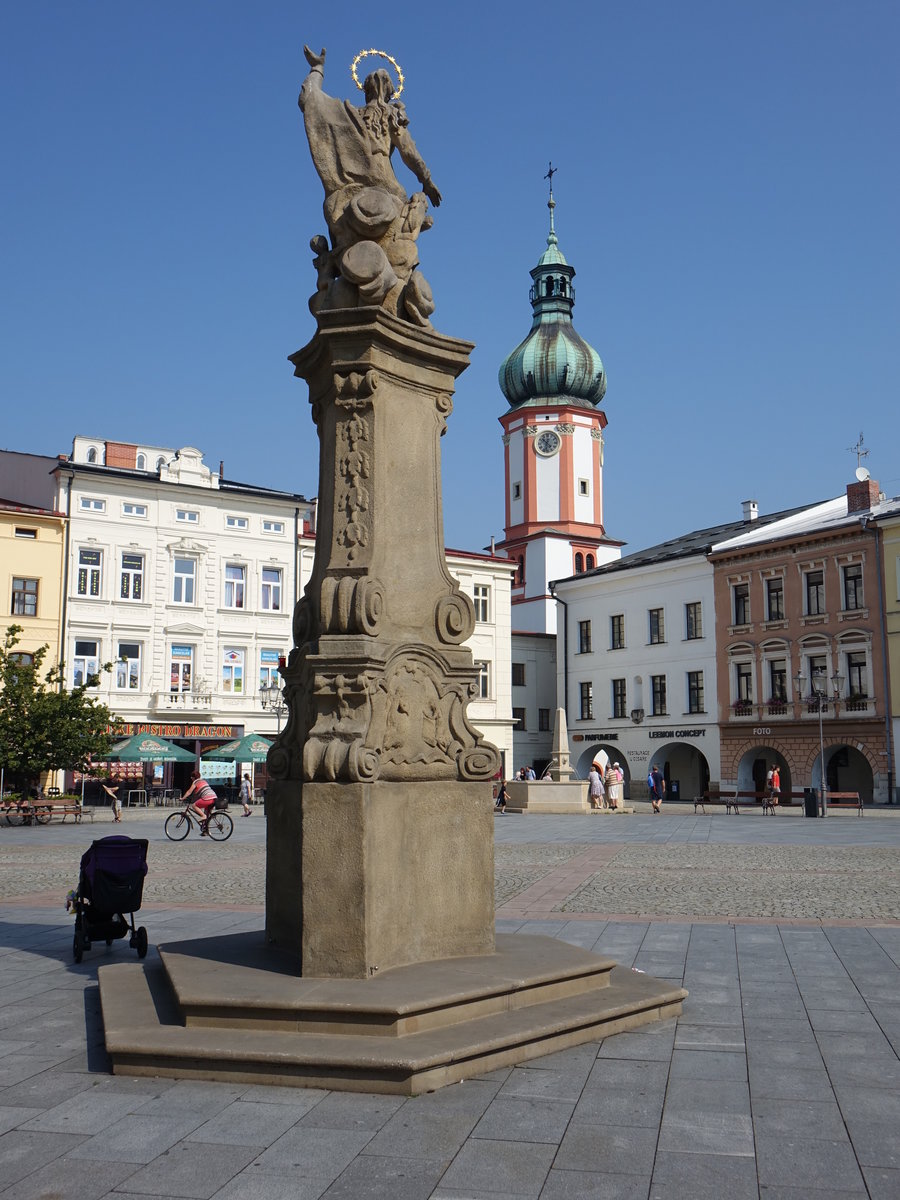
[
  {"x": 180, "y": 731},
  {"x": 613, "y": 735}
]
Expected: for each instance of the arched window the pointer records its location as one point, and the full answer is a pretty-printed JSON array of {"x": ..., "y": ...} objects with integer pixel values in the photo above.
[
  {"x": 520, "y": 574},
  {"x": 141, "y": 463},
  {"x": 92, "y": 455},
  {"x": 579, "y": 564},
  {"x": 589, "y": 562},
  {"x": 160, "y": 463}
]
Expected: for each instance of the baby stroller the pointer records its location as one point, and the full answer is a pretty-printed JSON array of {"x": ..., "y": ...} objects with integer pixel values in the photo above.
[{"x": 110, "y": 884}]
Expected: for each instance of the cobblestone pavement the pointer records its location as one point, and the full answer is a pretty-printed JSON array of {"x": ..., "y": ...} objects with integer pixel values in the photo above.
[
  {"x": 674, "y": 874},
  {"x": 780, "y": 1081}
]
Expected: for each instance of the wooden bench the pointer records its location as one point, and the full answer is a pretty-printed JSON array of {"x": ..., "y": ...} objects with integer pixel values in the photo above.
[
  {"x": 846, "y": 800},
  {"x": 43, "y": 814},
  {"x": 733, "y": 801},
  {"x": 77, "y": 811}
]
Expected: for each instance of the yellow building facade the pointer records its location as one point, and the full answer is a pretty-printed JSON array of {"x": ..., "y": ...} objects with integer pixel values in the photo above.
[{"x": 31, "y": 570}]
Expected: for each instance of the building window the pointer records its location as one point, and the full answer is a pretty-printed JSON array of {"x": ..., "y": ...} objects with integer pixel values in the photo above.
[
  {"x": 657, "y": 626},
  {"x": 517, "y": 491},
  {"x": 234, "y": 586},
  {"x": 134, "y": 510},
  {"x": 586, "y": 692},
  {"x": 518, "y": 715},
  {"x": 778, "y": 681},
  {"x": 160, "y": 463},
  {"x": 695, "y": 691},
  {"x": 518, "y": 674},
  {"x": 26, "y": 533},
  {"x": 482, "y": 600},
  {"x": 584, "y": 487},
  {"x": 743, "y": 683},
  {"x": 857, "y": 678},
  {"x": 814, "y": 582},
  {"x": 584, "y": 637},
  {"x": 184, "y": 579},
  {"x": 128, "y": 666},
  {"x": 190, "y": 515},
  {"x": 617, "y": 632},
  {"x": 90, "y": 569},
  {"x": 92, "y": 504},
  {"x": 589, "y": 562},
  {"x": 181, "y": 664},
  {"x": 693, "y": 621},
  {"x": 86, "y": 664},
  {"x": 579, "y": 564},
  {"x": 268, "y": 668},
  {"x": 141, "y": 462},
  {"x": 24, "y": 597},
  {"x": 273, "y": 526},
  {"x": 741, "y": 600},
  {"x": 483, "y": 679},
  {"x": 232, "y": 670},
  {"x": 271, "y": 589},
  {"x": 658, "y": 687},
  {"x": 132, "y": 581},
  {"x": 775, "y": 599},
  {"x": 236, "y": 523},
  {"x": 618, "y": 698},
  {"x": 853, "y": 586},
  {"x": 544, "y": 720},
  {"x": 520, "y": 574},
  {"x": 92, "y": 455}
]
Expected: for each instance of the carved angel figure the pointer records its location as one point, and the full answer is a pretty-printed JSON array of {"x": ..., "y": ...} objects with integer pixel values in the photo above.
[{"x": 372, "y": 222}]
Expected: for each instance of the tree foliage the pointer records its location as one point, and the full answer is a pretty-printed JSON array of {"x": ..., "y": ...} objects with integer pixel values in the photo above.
[{"x": 44, "y": 726}]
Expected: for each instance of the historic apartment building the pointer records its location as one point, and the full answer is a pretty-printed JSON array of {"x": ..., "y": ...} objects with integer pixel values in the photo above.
[
  {"x": 31, "y": 560},
  {"x": 185, "y": 582},
  {"x": 802, "y": 663}
]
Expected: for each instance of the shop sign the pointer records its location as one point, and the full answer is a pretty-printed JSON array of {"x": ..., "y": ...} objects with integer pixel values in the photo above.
[
  {"x": 225, "y": 732},
  {"x": 605, "y": 735},
  {"x": 676, "y": 733}
]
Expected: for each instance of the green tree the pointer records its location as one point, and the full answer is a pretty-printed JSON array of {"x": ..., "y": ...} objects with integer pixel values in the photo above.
[{"x": 44, "y": 726}]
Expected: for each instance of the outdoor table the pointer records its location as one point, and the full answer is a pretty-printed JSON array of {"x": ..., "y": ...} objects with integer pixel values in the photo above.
[{"x": 137, "y": 797}]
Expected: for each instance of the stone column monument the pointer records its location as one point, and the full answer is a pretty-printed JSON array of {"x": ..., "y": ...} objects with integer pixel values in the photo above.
[{"x": 379, "y": 969}]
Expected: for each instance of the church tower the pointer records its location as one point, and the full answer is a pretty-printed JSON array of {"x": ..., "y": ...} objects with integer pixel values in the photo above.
[{"x": 553, "y": 438}]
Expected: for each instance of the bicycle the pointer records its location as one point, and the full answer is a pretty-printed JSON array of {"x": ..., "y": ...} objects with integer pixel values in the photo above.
[{"x": 219, "y": 825}]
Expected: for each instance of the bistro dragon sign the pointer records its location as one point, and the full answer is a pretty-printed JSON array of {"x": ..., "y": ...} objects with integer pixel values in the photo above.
[{"x": 178, "y": 731}]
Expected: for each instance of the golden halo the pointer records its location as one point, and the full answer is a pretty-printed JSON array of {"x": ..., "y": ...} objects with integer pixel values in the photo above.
[{"x": 381, "y": 54}]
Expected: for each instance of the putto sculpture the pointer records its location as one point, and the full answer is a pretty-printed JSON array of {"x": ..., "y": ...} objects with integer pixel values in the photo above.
[{"x": 373, "y": 224}]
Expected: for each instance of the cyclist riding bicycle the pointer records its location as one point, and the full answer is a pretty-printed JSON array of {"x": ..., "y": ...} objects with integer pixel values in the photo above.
[{"x": 204, "y": 799}]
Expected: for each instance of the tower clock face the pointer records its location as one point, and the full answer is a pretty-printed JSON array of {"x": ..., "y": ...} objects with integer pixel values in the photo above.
[{"x": 547, "y": 443}]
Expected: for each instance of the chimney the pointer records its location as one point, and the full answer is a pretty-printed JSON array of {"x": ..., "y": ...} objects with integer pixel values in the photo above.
[
  {"x": 862, "y": 495},
  {"x": 751, "y": 509}
]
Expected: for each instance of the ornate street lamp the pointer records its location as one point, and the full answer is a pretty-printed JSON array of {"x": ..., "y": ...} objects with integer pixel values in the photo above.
[
  {"x": 819, "y": 690},
  {"x": 272, "y": 698}
]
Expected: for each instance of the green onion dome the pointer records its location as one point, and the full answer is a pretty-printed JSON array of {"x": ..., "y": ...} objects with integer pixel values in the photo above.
[{"x": 553, "y": 362}]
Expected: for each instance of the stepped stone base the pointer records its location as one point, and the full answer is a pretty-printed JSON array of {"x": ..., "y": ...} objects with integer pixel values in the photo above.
[{"x": 231, "y": 1008}]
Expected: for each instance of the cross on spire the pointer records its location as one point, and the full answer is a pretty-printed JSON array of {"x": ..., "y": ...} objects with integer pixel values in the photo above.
[{"x": 550, "y": 175}]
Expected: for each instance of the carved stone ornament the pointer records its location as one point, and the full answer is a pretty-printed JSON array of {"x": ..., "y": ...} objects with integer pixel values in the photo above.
[
  {"x": 372, "y": 258},
  {"x": 565, "y": 428}
]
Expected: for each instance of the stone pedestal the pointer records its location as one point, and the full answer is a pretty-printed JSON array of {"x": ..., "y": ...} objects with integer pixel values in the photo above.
[
  {"x": 389, "y": 874},
  {"x": 379, "y": 805}
]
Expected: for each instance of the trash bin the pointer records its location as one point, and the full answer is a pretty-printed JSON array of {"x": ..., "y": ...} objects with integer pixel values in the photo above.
[
  {"x": 810, "y": 803},
  {"x": 674, "y": 789}
]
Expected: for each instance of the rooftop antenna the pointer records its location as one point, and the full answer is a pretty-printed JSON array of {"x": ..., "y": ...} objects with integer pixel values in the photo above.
[{"x": 859, "y": 450}]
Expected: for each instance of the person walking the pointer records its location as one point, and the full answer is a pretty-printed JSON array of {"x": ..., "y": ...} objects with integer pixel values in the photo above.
[
  {"x": 204, "y": 799},
  {"x": 774, "y": 784},
  {"x": 611, "y": 783},
  {"x": 245, "y": 797},
  {"x": 502, "y": 798},
  {"x": 595, "y": 788},
  {"x": 657, "y": 786}
]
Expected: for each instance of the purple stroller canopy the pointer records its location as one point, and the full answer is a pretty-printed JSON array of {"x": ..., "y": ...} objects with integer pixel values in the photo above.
[{"x": 120, "y": 855}]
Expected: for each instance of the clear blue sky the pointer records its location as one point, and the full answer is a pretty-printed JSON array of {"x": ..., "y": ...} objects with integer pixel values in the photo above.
[{"x": 727, "y": 192}]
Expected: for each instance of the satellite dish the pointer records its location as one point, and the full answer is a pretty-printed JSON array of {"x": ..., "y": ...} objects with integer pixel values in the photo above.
[{"x": 862, "y": 474}]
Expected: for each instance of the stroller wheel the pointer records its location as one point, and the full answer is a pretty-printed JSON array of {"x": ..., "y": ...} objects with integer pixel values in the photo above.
[
  {"x": 77, "y": 947},
  {"x": 109, "y": 941},
  {"x": 141, "y": 938}
]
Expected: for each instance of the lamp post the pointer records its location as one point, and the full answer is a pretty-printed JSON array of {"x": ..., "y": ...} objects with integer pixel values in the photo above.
[
  {"x": 819, "y": 690},
  {"x": 272, "y": 698}
]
